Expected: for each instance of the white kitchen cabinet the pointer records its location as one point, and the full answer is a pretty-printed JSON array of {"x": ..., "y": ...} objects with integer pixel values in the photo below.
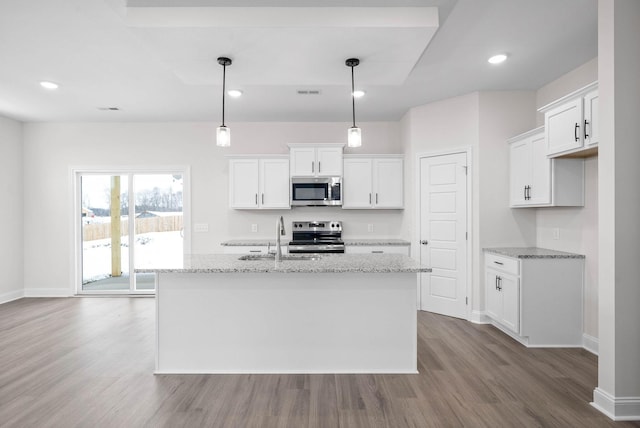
[
  {"x": 259, "y": 183},
  {"x": 373, "y": 182},
  {"x": 591, "y": 122},
  {"x": 315, "y": 161},
  {"x": 537, "y": 300},
  {"x": 252, "y": 249},
  {"x": 377, "y": 249},
  {"x": 536, "y": 180},
  {"x": 568, "y": 123}
]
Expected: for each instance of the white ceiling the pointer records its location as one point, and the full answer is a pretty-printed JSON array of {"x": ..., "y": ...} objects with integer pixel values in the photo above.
[{"x": 156, "y": 59}]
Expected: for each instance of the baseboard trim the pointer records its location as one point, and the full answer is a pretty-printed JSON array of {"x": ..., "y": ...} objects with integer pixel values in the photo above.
[
  {"x": 616, "y": 408},
  {"x": 47, "y": 292},
  {"x": 11, "y": 296},
  {"x": 479, "y": 317},
  {"x": 590, "y": 343}
]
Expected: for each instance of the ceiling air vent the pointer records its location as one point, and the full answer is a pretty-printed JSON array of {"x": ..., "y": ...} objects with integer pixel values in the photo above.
[{"x": 308, "y": 92}]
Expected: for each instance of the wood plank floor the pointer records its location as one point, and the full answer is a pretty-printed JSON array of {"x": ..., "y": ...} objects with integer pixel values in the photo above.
[{"x": 88, "y": 362}]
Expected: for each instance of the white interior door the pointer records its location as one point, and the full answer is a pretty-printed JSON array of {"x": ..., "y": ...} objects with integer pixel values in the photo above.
[{"x": 443, "y": 230}]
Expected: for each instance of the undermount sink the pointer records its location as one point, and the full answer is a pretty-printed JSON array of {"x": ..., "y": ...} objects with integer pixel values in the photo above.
[{"x": 290, "y": 257}]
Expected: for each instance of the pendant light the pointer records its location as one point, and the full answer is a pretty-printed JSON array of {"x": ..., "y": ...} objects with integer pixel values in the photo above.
[
  {"x": 354, "y": 134},
  {"x": 223, "y": 134}
]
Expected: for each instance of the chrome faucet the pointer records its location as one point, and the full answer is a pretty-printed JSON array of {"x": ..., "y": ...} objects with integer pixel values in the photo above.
[{"x": 279, "y": 232}]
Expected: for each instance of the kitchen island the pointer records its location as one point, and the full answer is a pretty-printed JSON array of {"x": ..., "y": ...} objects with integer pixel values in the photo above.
[{"x": 347, "y": 313}]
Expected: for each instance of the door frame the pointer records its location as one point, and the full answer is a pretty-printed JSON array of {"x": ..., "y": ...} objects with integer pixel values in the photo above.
[
  {"x": 75, "y": 207},
  {"x": 418, "y": 188}
]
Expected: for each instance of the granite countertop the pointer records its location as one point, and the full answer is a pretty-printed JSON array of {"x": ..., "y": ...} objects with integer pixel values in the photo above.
[
  {"x": 379, "y": 242},
  {"x": 352, "y": 242},
  {"x": 328, "y": 263},
  {"x": 533, "y": 253}
]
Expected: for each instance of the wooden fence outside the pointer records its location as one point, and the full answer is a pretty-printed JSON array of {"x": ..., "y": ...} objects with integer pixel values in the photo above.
[{"x": 94, "y": 231}]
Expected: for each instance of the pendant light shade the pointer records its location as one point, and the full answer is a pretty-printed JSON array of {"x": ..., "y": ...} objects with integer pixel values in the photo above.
[
  {"x": 223, "y": 133},
  {"x": 354, "y": 134}
]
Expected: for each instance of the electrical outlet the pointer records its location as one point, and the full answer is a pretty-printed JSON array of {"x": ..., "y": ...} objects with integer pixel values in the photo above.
[
  {"x": 201, "y": 227},
  {"x": 556, "y": 233},
  {"x": 370, "y": 227},
  {"x": 254, "y": 227}
]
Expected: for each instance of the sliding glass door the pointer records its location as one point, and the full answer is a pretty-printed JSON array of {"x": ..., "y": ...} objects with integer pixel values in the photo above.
[{"x": 128, "y": 221}]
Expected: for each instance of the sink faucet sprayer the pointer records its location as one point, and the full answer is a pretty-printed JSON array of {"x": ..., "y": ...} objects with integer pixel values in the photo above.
[{"x": 279, "y": 232}]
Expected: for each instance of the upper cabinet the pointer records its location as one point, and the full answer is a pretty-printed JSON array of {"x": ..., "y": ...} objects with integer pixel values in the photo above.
[
  {"x": 571, "y": 123},
  {"x": 373, "y": 182},
  {"x": 536, "y": 180},
  {"x": 315, "y": 161},
  {"x": 259, "y": 183}
]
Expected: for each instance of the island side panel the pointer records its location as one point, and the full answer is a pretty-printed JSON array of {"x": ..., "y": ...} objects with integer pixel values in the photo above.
[{"x": 286, "y": 323}]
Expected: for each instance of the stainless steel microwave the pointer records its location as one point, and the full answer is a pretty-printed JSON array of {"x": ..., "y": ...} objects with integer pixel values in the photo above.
[{"x": 316, "y": 191}]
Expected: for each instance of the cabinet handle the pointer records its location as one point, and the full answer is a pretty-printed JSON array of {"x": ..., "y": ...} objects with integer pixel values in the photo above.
[
  {"x": 498, "y": 263},
  {"x": 499, "y": 283},
  {"x": 255, "y": 251},
  {"x": 586, "y": 122},
  {"x": 263, "y": 199},
  {"x": 319, "y": 167},
  {"x": 575, "y": 131},
  {"x": 376, "y": 252},
  {"x": 256, "y": 199},
  {"x": 496, "y": 282},
  {"x": 528, "y": 193},
  {"x": 369, "y": 198},
  {"x": 424, "y": 242},
  {"x": 376, "y": 198}
]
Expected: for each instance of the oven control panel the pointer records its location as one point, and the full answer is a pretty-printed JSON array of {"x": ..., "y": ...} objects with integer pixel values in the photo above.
[{"x": 317, "y": 226}]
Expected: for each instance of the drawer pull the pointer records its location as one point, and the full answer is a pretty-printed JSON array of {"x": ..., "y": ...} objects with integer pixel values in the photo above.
[
  {"x": 255, "y": 251},
  {"x": 377, "y": 251},
  {"x": 498, "y": 263}
]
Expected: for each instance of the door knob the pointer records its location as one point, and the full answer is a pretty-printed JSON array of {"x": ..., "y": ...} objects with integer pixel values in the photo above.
[{"x": 424, "y": 242}]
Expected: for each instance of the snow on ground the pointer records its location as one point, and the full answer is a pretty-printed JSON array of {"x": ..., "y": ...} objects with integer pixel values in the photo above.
[{"x": 152, "y": 250}]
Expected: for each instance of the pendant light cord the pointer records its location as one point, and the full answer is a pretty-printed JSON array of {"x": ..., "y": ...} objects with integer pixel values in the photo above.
[
  {"x": 353, "y": 99},
  {"x": 224, "y": 81}
]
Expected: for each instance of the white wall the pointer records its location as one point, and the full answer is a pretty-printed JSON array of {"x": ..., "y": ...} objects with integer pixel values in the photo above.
[
  {"x": 11, "y": 194},
  {"x": 578, "y": 226},
  {"x": 52, "y": 148},
  {"x": 482, "y": 121}
]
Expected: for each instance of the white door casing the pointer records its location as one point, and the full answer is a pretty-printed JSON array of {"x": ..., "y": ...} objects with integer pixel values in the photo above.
[{"x": 443, "y": 233}]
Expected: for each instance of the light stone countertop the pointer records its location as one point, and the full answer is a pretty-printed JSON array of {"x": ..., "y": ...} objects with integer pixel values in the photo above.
[
  {"x": 348, "y": 242},
  {"x": 532, "y": 253},
  {"x": 328, "y": 263}
]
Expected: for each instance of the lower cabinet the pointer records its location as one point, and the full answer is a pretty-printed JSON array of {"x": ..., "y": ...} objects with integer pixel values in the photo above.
[
  {"x": 538, "y": 301},
  {"x": 251, "y": 249},
  {"x": 377, "y": 249}
]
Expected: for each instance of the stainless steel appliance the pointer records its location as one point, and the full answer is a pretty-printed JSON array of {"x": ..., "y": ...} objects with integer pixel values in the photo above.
[
  {"x": 314, "y": 191},
  {"x": 316, "y": 237}
]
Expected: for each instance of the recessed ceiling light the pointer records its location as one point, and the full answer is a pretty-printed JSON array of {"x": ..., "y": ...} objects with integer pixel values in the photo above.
[
  {"x": 497, "y": 59},
  {"x": 49, "y": 85},
  {"x": 235, "y": 93},
  {"x": 358, "y": 94}
]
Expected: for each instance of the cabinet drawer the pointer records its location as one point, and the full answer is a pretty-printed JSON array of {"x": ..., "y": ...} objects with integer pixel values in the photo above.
[
  {"x": 377, "y": 249},
  {"x": 501, "y": 263}
]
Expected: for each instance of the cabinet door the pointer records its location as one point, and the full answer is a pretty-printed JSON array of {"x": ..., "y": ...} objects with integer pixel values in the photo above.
[
  {"x": 493, "y": 295},
  {"x": 510, "y": 302},
  {"x": 357, "y": 189},
  {"x": 388, "y": 182},
  {"x": 540, "y": 183},
  {"x": 243, "y": 183},
  {"x": 274, "y": 183},
  {"x": 520, "y": 171},
  {"x": 303, "y": 161},
  {"x": 329, "y": 161},
  {"x": 591, "y": 131},
  {"x": 564, "y": 127}
]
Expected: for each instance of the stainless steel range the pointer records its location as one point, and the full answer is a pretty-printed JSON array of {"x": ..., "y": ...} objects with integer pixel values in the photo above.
[{"x": 316, "y": 237}]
